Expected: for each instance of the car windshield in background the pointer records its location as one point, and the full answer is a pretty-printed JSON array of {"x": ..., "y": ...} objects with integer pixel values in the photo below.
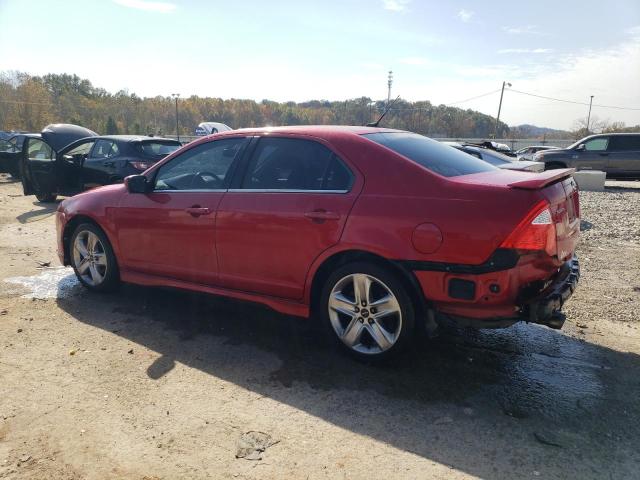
[
  {"x": 439, "y": 158},
  {"x": 157, "y": 149}
]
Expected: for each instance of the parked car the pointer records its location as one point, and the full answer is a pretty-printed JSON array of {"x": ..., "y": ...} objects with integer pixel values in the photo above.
[
  {"x": 498, "y": 159},
  {"x": 527, "y": 153},
  {"x": 88, "y": 162},
  {"x": 208, "y": 128},
  {"x": 617, "y": 154},
  {"x": 10, "y": 149},
  {"x": 374, "y": 232}
]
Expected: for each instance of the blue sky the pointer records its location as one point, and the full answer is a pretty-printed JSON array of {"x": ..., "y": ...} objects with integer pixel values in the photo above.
[{"x": 294, "y": 50}]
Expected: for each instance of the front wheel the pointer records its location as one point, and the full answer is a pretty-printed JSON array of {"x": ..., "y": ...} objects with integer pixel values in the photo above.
[
  {"x": 92, "y": 259},
  {"x": 46, "y": 197},
  {"x": 367, "y": 311}
]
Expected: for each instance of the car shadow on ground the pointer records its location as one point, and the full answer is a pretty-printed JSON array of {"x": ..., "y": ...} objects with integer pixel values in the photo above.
[
  {"x": 45, "y": 210},
  {"x": 471, "y": 400}
]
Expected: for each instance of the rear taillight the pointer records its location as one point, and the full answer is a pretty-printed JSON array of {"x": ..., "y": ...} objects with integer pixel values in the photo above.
[
  {"x": 536, "y": 232},
  {"x": 140, "y": 165}
]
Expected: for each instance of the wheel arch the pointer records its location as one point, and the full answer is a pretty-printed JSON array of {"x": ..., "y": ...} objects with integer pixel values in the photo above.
[
  {"x": 336, "y": 260},
  {"x": 70, "y": 227}
]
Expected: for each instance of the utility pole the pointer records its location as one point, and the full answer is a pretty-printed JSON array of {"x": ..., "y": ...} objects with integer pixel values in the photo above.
[
  {"x": 495, "y": 135},
  {"x": 389, "y": 83},
  {"x": 175, "y": 96},
  {"x": 589, "y": 116}
]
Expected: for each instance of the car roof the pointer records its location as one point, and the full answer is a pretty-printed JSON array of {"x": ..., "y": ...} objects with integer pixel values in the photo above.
[
  {"x": 313, "y": 130},
  {"x": 131, "y": 138}
]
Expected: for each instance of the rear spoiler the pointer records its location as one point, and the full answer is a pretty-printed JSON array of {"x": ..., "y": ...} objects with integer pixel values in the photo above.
[{"x": 541, "y": 180}]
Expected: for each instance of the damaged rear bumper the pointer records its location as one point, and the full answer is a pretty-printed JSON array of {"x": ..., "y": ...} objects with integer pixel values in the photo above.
[{"x": 545, "y": 307}]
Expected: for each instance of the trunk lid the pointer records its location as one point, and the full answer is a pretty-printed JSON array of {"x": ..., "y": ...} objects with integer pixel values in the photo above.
[{"x": 565, "y": 210}]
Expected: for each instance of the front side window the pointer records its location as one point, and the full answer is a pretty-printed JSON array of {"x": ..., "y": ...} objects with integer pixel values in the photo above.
[
  {"x": 431, "y": 154},
  {"x": 295, "y": 164},
  {"x": 39, "y": 150},
  {"x": 105, "y": 149},
  {"x": 208, "y": 166},
  {"x": 596, "y": 144},
  {"x": 82, "y": 149}
]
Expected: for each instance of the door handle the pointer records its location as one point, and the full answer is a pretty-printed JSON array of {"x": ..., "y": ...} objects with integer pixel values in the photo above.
[
  {"x": 604, "y": 154},
  {"x": 108, "y": 164},
  {"x": 320, "y": 216},
  {"x": 196, "y": 211}
]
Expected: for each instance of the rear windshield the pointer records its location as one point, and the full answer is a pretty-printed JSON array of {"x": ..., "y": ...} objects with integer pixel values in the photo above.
[
  {"x": 157, "y": 149},
  {"x": 495, "y": 158},
  {"x": 439, "y": 158}
]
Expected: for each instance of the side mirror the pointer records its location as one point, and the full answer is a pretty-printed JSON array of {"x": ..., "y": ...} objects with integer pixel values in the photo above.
[
  {"x": 136, "y": 184},
  {"x": 580, "y": 147}
]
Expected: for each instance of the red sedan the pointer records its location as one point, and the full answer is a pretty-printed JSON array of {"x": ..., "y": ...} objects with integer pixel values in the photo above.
[{"x": 376, "y": 233}]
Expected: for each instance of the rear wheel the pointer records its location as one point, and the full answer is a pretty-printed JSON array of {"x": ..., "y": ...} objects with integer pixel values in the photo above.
[
  {"x": 367, "y": 311},
  {"x": 46, "y": 197},
  {"x": 92, "y": 259}
]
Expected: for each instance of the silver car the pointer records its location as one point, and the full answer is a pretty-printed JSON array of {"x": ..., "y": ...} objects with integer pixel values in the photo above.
[{"x": 498, "y": 159}]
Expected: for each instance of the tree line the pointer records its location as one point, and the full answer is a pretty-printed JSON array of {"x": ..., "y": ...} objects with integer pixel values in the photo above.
[{"x": 29, "y": 103}]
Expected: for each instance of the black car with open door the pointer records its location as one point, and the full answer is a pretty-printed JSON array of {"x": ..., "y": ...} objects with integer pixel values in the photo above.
[{"x": 88, "y": 162}]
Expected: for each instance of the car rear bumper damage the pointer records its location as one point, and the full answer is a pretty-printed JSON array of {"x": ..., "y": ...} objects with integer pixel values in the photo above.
[
  {"x": 500, "y": 293},
  {"x": 545, "y": 308}
]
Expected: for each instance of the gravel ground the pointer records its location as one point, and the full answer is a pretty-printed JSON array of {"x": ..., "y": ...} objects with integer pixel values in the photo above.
[{"x": 149, "y": 384}]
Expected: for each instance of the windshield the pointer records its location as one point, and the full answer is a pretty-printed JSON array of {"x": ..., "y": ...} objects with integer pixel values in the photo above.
[
  {"x": 433, "y": 155},
  {"x": 154, "y": 148}
]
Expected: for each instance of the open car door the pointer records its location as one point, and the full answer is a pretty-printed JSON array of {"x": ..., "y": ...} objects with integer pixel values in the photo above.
[
  {"x": 39, "y": 162},
  {"x": 38, "y": 168}
]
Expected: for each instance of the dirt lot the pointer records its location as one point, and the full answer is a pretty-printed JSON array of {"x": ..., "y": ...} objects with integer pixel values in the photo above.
[{"x": 151, "y": 384}]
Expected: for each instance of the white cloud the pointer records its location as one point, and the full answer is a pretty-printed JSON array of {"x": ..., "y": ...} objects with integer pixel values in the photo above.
[
  {"x": 465, "y": 15},
  {"x": 523, "y": 29},
  {"x": 371, "y": 65},
  {"x": 525, "y": 50},
  {"x": 414, "y": 61},
  {"x": 395, "y": 5},
  {"x": 161, "y": 7}
]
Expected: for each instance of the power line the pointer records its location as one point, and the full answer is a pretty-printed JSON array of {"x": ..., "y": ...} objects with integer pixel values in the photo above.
[
  {"x": 571, "y": 101},
  {"x": 400, "y": 109},
  {"x": 473, "y": 98}
]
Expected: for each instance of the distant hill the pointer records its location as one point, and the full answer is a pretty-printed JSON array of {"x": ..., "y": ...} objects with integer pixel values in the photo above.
[{"x": 533, "y": 131}]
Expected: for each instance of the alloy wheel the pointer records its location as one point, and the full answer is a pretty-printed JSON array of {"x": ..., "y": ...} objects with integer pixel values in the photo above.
[
  {"x": 365, "y": 313},
  {"x": 90, "y": 258}
]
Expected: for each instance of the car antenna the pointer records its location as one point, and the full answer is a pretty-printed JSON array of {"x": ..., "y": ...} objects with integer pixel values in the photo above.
[{"x": 375, "y": 124}]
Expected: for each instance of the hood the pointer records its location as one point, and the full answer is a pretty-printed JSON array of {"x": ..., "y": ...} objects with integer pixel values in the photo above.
[{"x": 59, "y": 135}]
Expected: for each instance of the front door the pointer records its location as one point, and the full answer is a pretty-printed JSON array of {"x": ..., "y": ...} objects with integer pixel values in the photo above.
[
  {"x": 170, "y": 231},
  {"x": 594, "y": 156},
  {"x": 39, "y": 168},
  {"x": 289, "y": 207},
  {"x": 70, "y": 166}
]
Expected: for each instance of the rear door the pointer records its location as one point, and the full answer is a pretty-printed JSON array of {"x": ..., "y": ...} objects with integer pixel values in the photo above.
[
  {"x": 39, "y": 167},
  {"x": 100, "y": 166},
  {"x": 170, "y": 231},
  {"x": 290, "y": 205},
  {"x": 624, "y": 156}
]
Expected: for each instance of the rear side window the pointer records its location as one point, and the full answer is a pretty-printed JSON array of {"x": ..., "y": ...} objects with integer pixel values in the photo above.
[
  {"x": 439, "y": 158},
  {"x": 625, "y": 143},
  {"x": 39, "y": 150},
  {"x": 295, "y": 164}
]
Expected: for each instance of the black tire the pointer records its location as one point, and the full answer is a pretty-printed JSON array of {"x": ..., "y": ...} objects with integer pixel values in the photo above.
[
  {"x": 46, "y": 197},
  {"x": 111, "y": 279},
  {"x": 554, "y": 166},
  {"x": 368, "y": 349}
]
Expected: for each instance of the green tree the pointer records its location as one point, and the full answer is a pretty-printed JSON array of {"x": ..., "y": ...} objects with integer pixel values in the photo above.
[{"x": 111, "y": 128}]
